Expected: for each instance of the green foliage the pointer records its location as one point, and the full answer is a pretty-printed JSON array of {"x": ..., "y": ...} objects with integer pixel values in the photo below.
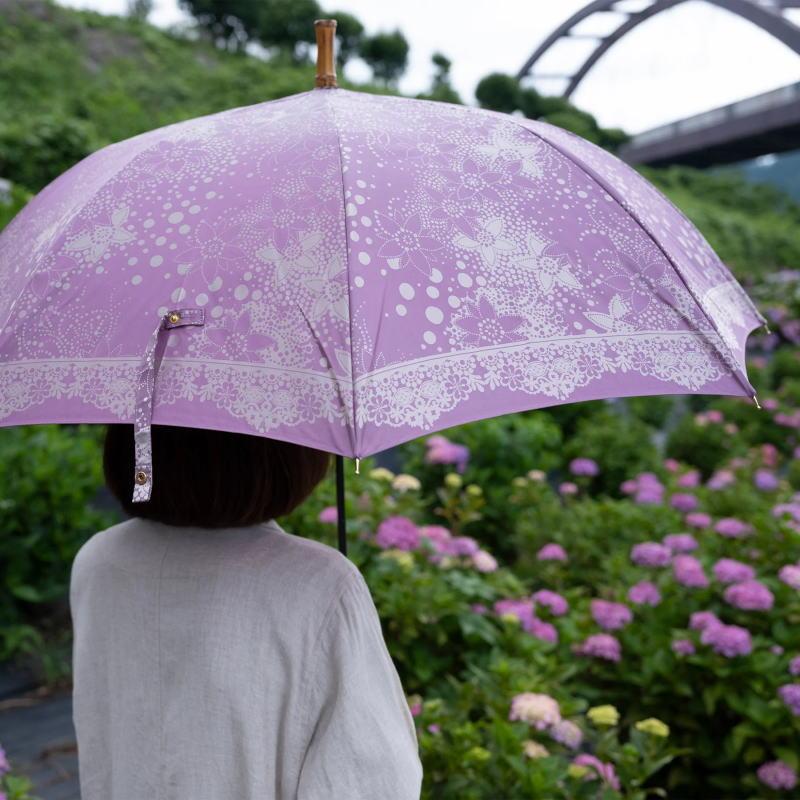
[
  {"x": 441, "y": 88},
  {"x": 230, "y": 23},
  {"x": 501, "y": 92},
  {"x": 16, "y": 787},
  {"x": 386, "y": 54},
  {"x": 49, "y": 477},
  {"x": 498, "y": 92},
  {"x": 12, "y": 199}
]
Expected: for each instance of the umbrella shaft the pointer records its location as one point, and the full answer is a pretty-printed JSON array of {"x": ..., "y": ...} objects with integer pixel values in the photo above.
[{"x": 340, "y": 512}]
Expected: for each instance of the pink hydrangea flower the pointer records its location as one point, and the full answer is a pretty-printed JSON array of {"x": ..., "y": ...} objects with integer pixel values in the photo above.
[
  {"x": 436, "y": 533},
  {"x": 567, "y": 733},
  {"x": 778, "y": 775},
  {"x": 697, "y": 519},
  {"x": 790, "y": 575},
  {"x": 733, "y": 528},
  {"x": 671, "y": 465},
  {"x": 727, "y": 640},
  {"x": 750, "y": 596},
  {"x": 442, "y": 451},
  {"x": 610, "y": 616},
  {"x": 397, "y": 532},
  {"x": 604, "y": 770},
  {"x": 328, "y": 515},
  {"x": 600, "y": 645},
  {"x": 683, "y": 647},
  {"x": 790, "y": 694},
  {"x": 644, "y": 593},
  {"x": 538, "y": 710},
  {"x": 584, "y": 466},
  {"x": 681, "y": 542},
  {"x": 568, "y": 489},
  {"x": 728, "y": 570},
  {"x": 651, "y": 554},
  {"x": 688, "y": 571},
  {"x": 484, "y": 562},
  {"x": 4, "y": 765},
  {"x": 552, "y": 601},
  {"x": 684, "y": 502},
  {"x": 689, "y": 480},
  {"x": 552, "y": 552}
]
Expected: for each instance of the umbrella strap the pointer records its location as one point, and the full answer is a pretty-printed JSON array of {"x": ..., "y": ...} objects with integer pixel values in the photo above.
[{"x": 145, "y": 391}]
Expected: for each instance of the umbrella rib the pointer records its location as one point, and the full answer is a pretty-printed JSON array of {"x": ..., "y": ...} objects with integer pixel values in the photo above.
[
  {"x": 332, "y": 114},
  {"x": 604, "y": 185}
]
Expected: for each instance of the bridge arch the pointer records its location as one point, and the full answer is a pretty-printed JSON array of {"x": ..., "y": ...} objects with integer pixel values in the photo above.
[{"x": 769, "y": 18}]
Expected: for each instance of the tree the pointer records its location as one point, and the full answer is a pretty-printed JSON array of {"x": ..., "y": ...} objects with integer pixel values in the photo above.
[
  {"x": 441, "y": 89},
  {"x": 498, "y": 92},
  {"x": 287, "y": 25},
  {"x": 349, "y": 35},
  {"x": 140, "y": 9},
  {"x": 387, "y": 55},
  {"x": 230, "y": 23}
]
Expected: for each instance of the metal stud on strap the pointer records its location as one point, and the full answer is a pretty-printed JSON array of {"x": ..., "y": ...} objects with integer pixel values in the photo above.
[{"x": 145, "y": 389}]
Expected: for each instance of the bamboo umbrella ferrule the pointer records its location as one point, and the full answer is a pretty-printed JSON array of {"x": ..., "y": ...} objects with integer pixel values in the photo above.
[{"x": 325, "y": 30}]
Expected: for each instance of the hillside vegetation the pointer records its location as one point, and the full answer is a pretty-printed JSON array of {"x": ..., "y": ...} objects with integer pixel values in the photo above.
[{"x": 74, "y": 81}]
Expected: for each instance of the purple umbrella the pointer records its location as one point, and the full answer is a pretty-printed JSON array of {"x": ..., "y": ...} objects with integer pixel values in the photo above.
[{"x": 349, "y": 271}]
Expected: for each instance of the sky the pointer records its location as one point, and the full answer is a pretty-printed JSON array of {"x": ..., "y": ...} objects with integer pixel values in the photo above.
[{"x": 683, "y": 61}]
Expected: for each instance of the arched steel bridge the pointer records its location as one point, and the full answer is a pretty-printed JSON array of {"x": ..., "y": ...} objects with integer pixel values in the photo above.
[{"x": 766, "y": 14}]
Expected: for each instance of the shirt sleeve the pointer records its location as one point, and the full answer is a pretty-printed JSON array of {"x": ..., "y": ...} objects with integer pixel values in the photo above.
[{"x": 363, "y": 745}]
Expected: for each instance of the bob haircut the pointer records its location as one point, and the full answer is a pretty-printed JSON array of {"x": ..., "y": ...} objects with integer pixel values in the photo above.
[{"x": 213, "y": 479}]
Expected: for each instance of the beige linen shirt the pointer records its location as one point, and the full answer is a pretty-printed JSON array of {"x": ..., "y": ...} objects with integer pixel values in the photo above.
[{"x": 235, "y": 664}]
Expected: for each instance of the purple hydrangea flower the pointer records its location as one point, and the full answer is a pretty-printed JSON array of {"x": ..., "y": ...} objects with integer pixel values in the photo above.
[
  {"x": 644, "y": 593},
  {"x": 790, "y": 694},
  {"x": 701, "y": 620},
  {"x": 777, "y": 775},
  {"x": 552, "y": 601},
  {"x": 683, "y": 647},
  {"x": 442, "y": 451},
  {"x": 601, "y": 645},
  {"x": 552, "y": 552},
  {"x": 733, "y": 528},
  {"x": 728, "y": 570},
  {"x": 684, "y": 502},
  {"x": 567, "y": 733},
  {"x": 750, "y": 596},
  {"x": 681, "y": 542},
  {"x": 651, "y": 554},
  {"x": 698, "y": 519},
  {"x": 611, "y": 616},
  {"x": 727, "y": 640},
  {"x": 721, "y": 479},
  {"x": 584, "y": 466},
  {"x": 790, "y": 575},
  {"x": 521, "y": 609},
  {"x": 397, "y": 532},
  {"x": 794, "y": 666},
  {"x": 605, "y": 770},
  {"x": 688, "y": 571},
  {"x": 765, "y": 481},
  {"x": 4, "y": 765},
  {"x": 540, "y": 629},
  {"x": 462, "y": 546}
]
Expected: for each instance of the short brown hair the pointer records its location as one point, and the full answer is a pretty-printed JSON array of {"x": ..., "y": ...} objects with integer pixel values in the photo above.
[{"x": 213, "y": 479}]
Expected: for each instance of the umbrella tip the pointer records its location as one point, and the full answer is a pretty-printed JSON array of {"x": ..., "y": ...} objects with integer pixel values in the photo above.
[
  {"x": 325, "y": 30},
  {"x": 755, "y": 400}
]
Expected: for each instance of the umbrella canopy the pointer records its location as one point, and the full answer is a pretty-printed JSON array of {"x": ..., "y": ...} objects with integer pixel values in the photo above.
[{"x": 348, "y": 271}]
